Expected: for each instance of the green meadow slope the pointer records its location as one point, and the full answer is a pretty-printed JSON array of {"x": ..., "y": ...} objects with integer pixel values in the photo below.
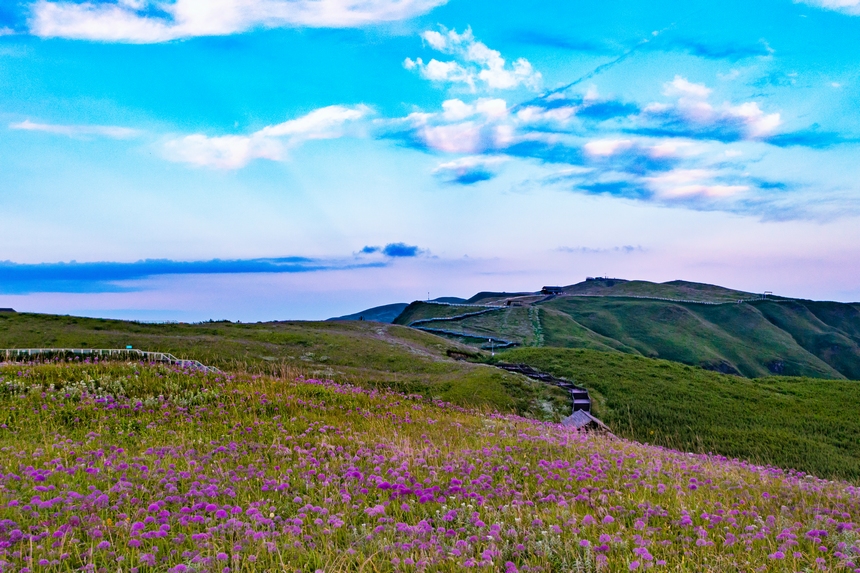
[
  {"x": 359, "y": 352},
  {"x": 695, "y": 324},
  {"x": 791, "y": 422}
]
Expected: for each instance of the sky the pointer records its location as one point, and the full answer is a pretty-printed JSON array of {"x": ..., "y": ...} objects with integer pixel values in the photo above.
[{"x": 186, "y": 160}]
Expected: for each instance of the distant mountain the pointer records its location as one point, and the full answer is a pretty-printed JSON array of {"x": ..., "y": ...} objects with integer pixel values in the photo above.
[
  {"x": 389, "y": 312},
  {"x": 386, "y": 313},
  {"x": 717, "y": 328}
]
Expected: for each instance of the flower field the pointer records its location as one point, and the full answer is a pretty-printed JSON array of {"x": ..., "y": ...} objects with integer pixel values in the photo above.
[{"x": 139, "y": 468}]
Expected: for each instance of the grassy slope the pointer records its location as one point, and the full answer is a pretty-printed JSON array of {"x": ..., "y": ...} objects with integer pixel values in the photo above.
[
  {"x": 675, "y": 289},
  {"x": 129, "y": 467},
  {"x": 759, "y": 338},
  {"x": 422, "y": 310},
  {"x": 509, "y": 324},
  {"x": 369, "y": 354},
  {"x": 737, "y": 338},
  {"x": 801, "y": 423}
]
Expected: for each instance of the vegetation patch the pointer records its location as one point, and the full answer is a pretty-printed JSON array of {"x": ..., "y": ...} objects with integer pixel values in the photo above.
[
  {"x": 111, "y": 467},
  {"x": 803, "y": 423}
]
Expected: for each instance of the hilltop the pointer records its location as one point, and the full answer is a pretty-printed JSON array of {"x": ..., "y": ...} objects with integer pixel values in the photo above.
[{"x": 713, "y": 327}]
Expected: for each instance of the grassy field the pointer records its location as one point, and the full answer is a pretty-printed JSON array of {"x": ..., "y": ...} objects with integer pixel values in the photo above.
[
  {"x": 423, "y": 310},
  {"x": 370, "y": 354},
  {"x": 754, "y": 339},
  {"x": 802, "y": 423},
  {"x": 130, "y": 467}
]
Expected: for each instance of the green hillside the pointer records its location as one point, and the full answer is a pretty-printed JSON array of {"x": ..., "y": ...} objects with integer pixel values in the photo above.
[
  {"x": 359, "y": 352},
  {"x": 695, "y": 324},
  {"x": 802, "y": 423}
]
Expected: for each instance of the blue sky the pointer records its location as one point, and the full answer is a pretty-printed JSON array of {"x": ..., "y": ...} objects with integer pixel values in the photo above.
[{"x": 272, "y": 159}]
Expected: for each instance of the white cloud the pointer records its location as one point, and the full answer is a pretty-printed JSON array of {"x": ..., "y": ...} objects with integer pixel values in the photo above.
[
  {"x": 110, "y": 131},
  {"x": 470, "y": 169},
  {"x": 6, "y": 32},
  {"x": 272, "y": 142},
  {"x": 477, "y": 65},
  {"x": 131, "y": 21},
  {"x": 691, "y": 183},
  {"x": 693, "y": 105},
  {"x": 537, "y": 114},
  {"x": 607, "y": 147},
  {"x": 848, "y": 6},
  {"x": 464, "y": 127},
  {"x": 685, "y": 88}
]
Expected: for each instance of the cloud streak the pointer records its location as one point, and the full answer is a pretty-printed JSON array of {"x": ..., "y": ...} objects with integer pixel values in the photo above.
[
  {"x": 394, "y": 250},
  {"x": 470, "y": 170},
  {"x": 110, "y": 276},
  {"x": 272, "y": 142},
  {"x": 78, "y": 131},
  {"x": 851, "y": 7},
  {"x": 154, "y": 21}
]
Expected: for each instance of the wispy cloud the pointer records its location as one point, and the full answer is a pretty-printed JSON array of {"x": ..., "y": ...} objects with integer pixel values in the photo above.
[
  {"x": 664, "y": 42},
  {"x": 471, "y": 169},
  {"x": 152, "y": 21},
  {"x": 847, "y": 6},
  {"x": 272, "y": 142},
  {"x": 394, "y": 250},
  {"x": 110, "y": 131},
  {"x": 716, "y": 51},
  {"x": 476, "y": 65},
  {"x": 114, "y": 276},
  {"x": 693, "y": 115},
  {"x": 625, "y": 249},
  {"x": 542, "y": 38}
]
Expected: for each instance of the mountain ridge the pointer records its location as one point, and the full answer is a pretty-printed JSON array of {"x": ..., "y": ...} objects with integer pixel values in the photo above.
[{"x": 714, "y": 327}]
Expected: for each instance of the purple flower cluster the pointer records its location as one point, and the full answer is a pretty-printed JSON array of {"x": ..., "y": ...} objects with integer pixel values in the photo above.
[{"x": 256, "y": 473}]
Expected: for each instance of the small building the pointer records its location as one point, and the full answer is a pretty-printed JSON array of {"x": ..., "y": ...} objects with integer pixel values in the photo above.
[
  {"x": 552, "y": 290},
  {"x": 7, "y": 310},
  {"x": 582, "y": 420}
]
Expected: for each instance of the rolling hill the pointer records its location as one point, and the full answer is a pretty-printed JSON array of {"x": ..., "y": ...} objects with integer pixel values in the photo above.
[
  {"x": 792, "y": 422},
  {"x": 720, "y": 329},
  {"x": 369, "y": 354}
]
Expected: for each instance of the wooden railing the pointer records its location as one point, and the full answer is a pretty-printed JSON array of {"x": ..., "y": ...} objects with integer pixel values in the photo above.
[{"x": 17, "y": 354}]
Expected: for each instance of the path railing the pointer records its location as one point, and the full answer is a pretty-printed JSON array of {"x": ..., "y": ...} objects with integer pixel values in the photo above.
[{"x": 17, "y": 354}]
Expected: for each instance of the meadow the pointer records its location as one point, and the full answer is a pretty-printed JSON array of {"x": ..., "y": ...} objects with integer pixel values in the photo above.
[
  {"x": 139, "y": 468},
  {"x": 807, "y": 424},
  {"x": 364, "y": 353}
]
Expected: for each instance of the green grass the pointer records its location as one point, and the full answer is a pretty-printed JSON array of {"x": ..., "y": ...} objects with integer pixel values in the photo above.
[
  {"x": 152, "y": 469},
  {"x": 369, "y": 354},
  {"x": 682, "y": 290},
  {"x": 754, "y": 339},
  {"x": 423, "y": 310},
  {"x": 791, "y": 422}
]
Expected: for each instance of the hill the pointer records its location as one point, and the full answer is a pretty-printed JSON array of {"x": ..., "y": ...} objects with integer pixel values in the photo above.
[
  {"x": 695, "y": 324},
  {"x": 386, "y": 313},
  {"x": 158, "y": 469},
  {"x": 369, "y": 354}
]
